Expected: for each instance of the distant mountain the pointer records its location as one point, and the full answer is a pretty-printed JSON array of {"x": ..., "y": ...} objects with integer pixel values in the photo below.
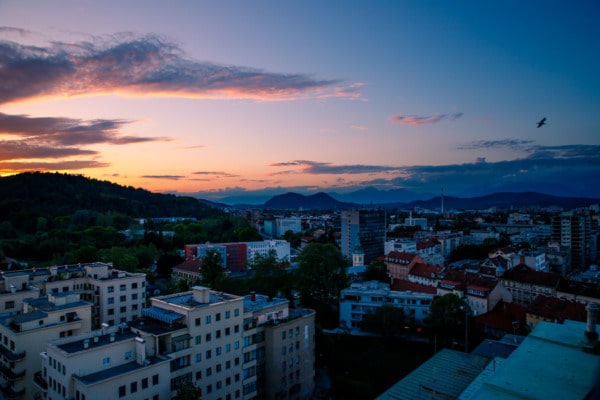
[
  {"x": 318, "y": 201},
  {"x": 371, "y": 195},
  {"x": 505, "y": 200},
  {"x": 294, "y": 201}
]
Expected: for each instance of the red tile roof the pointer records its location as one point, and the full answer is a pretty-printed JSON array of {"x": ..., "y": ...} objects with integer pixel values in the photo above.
[
  {"x": 502, "y": 317},
  {"x": 189, "y": 265},
  {"x": 557, "y": 309},
  {"x": 522, "y": 273},
  {"x": 403, "y": 286},
  {"x": 425, "y": 270},
  {"x": 400, "y": 257},
  {"x": 426, "y": 245}
]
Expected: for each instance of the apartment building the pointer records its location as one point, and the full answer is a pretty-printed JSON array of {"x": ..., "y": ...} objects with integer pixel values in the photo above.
[
  {"x": 364, "y": 298},
  {"x": 24, "y": 334},
  {"x": 113, "y": 363},
  {"x": 481, "y": 292},
  {"x": 400, "y": 263},
  {"x": 525, "y": 284},
  {"x": 230, "y": 347},
  {"x": 573, "y": 230}
]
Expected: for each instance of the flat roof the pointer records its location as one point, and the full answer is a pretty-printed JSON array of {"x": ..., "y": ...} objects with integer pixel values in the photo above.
[
  {"x": 103, "y": 340},
  {"x": 261, "y": 301},
  {"x": 116, "y": 371},
  {"x": 549, "y": 363}
]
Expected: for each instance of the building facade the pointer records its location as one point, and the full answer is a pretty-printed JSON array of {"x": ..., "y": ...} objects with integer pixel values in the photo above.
[{"x": 363, "y": 228}]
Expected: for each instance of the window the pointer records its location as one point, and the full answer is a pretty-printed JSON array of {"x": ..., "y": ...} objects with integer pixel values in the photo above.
[
  {"x": 218, "y": 367},
  {"x": 133, "y": 387},
  {"x": 236, "y": 312},
  {"x": 207, "y": 319},
  {"x": 111, "y": 300},
  {"x": 198, "y": 357},
  {"x": 144, "y": 383},
  {"x": 122, "y": 298},
  {"x": 236, "y": 328},
  {"x": 110, "y": 289},
  {"x": 9, "y": 304},
  {"x": 154, "y": 379},
  {"x": 227, "y": 348},
  {"x": 128, "y": 355},
  {"x": 218, "y": 350},
  {"x": 218, "y": 333},
  {"x": 236, "y": 345},
  {"x": 227, "y": 331},
  {"x": 134, "y": 296},
  {"x": 227, "y": 314},
  {"x": 227, "y": 364},
  {"x": 111, "y": 311},
  {"x": 123, "y": 287},
  {"x": 198, "y": 375},
  {"x": 197, "y": 321},
  {"x": 208, "y": 337},
  {"x": 208, "y": 354},
  {"x": 208, "y": 371},
  {"x": 122, "y": 391},
  {"x": 198, "y": 339},
  {"x": 282, "y": 335},
  {"x": 106, "y": 361},
  {"x": 134, "y": 285},
  {"x": 123, "y": 309},
  {"x": 217, "y": 316}
]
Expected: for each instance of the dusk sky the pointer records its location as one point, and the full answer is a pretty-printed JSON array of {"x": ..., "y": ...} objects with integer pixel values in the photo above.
[{"x": 224, "y": 98}]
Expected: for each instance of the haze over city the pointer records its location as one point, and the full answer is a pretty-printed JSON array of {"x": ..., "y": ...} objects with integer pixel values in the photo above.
[{"x": 238, "y": 98}]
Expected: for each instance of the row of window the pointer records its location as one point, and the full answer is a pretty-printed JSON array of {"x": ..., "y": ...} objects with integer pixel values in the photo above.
[
  {"x": 208, "y": 318},
  {"x": 122, "y": 309},
  {"x": 144, "y": 383},
  {"x": 123, "y": 298}
]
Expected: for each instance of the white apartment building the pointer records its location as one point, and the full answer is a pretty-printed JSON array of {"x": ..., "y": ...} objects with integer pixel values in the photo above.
[
  {"x": 221, "y": 343},
  {"x": 401, "y": 245},
  {"x": 117, "y": 296},
  {"x": 363, "y": 298},
  {"x": 281, "y": 248},
  {"x": 24, "y": 334}
]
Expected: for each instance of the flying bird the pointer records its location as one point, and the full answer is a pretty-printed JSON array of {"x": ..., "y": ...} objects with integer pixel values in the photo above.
[{"x": 541, "y": 122}]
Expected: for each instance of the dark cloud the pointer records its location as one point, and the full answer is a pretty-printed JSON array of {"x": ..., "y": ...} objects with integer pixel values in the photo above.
[
  {"x": 68, "y": 131},
  {"x": 515, "y": 144},
  {"x": 15, "y": 166},
  {"x": 418, "y": 120},
  {"x": 14, "y": 150},
  {"x": 165, "y": 177},
  {"x": 319, "y": 168},
  {"x": 130, "y": 65},
  {"x": 216, "y": 173}
]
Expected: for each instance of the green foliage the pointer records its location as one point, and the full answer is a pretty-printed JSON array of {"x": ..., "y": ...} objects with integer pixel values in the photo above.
[
  {"x": 321, "y": 273},
  {"x": 187, "y": 391},
  {"x": 294, "y": 239},
  {"x": 377, "y": 271},
  {"x": 447, "y": 317},
  {"x": 387, "y": 321},
  {"x": 270, "y": 277},
  {"x": 213, "y": 273}
]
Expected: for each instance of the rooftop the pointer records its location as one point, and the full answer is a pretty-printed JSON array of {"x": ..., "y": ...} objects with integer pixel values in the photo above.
[
  {"x": 261, "y": 301},
  {"x": 95, "y": 341},
  {"x": 524, "y": 274},
  {"x": 116, "y": 371}
]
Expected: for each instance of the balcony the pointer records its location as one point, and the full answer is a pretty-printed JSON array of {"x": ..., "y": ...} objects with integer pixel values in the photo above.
[
  {"x": 40, "y": 382},
  {"x": 10, "y": 375},
  {"x": 10, "y": 393},
  {"x": 10, "y": 355}
]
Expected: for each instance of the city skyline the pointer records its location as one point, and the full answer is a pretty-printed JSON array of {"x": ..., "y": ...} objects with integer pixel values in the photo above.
[{"x": 224, "y": 99}]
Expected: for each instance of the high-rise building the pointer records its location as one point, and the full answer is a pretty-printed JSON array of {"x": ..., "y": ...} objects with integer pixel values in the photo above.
[
  {"x": 366, "y": 229},
  {"x": 573, "y": 230}
]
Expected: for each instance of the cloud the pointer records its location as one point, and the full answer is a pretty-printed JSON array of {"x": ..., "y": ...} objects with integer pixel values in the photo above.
[
  {"x": 318, "y": 168},
  {"x": 51, "y": 166},
  {"x": 514, "y": 144},
  {"x": 128, "y": 65},
  {"x": 165, "y": 177},
  {"x": 419, "y": 120},
  {"x": 221, "y": 174},
  {"x": 359, "y": 127}
]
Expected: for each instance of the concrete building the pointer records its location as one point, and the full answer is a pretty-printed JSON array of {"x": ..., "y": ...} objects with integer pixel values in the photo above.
[
  {"x": 24, "y": 334},
  {"x": 364, "y": 298},
  {"x": 364, "y": 228},
  {"x": 572, "y": 230},
  {"x": 535, "y": 260},
  {"x": 230, "y": 347},
  {"x": 399, "y": 264},
  {"x": 482, "y": 293},
  {"x": 402, "y": 245},
  {"x": 525, "y": 284}
]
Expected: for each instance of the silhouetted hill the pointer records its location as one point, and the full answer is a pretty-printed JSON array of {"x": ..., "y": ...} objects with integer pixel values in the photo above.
[
  {"x": 505, "y": 200},
  {"x": 28, "y": 196},
  {"x": 318, "y": 201}
]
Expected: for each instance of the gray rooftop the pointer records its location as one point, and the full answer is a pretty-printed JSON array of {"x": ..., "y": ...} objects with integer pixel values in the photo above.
[
  {"x": 443, "y": 376},
  {"x": 261, "y": 301},
  {"x": 116, "y": 371},
  {"x": 103, "y": 340}
]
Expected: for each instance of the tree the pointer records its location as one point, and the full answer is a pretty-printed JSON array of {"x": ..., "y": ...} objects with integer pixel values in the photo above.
[
  {"x": 387, "y": 321},
  {"x": 321, "y": 273},
  {"x": 213, "y": 274},
  {"x": 187, "y": 391},
  {"x": 447, "y": 318},
  {"x": 377, "y": 271}
]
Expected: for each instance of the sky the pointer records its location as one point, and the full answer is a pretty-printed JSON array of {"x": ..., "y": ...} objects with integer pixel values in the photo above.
[{"x": 247, "y": 99}]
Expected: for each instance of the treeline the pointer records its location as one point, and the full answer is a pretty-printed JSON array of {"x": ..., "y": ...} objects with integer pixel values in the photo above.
[{"x": 53, "y": 219}]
